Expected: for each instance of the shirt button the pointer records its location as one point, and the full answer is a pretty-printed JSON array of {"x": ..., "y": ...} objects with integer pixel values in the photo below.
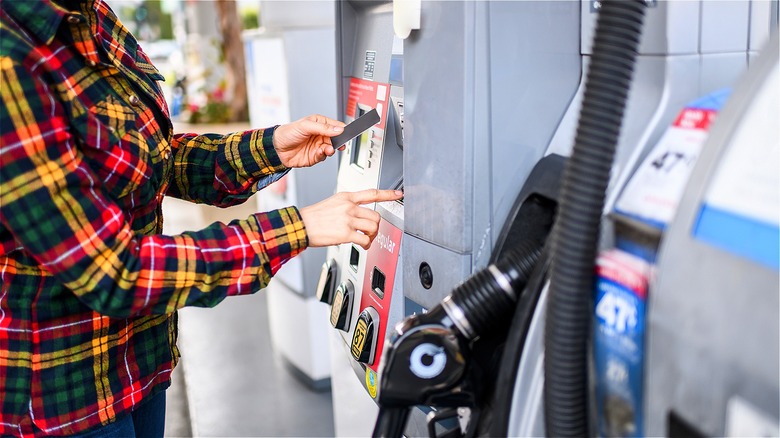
[
  {"x": 91, "y": 63},
  {"x": 166, "y": 155},
  {"x": 74, "y": 19},
  {"x": 134, "y": 100}
]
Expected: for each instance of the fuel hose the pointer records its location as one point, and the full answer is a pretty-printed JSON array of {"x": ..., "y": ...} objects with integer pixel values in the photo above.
[{"x": 576, "y": 234}]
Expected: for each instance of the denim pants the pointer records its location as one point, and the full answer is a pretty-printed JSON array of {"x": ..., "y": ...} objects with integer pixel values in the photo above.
[{"x": 147, "y": 421}]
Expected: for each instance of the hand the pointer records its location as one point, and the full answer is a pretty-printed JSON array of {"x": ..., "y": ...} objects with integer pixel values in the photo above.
[
  {"x": 306, "y": 142},
  {"x": 340, "y": 218}
]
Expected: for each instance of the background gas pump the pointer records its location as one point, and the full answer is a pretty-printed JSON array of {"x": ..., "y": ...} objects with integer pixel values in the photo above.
[{"x": 295, "y": 36}]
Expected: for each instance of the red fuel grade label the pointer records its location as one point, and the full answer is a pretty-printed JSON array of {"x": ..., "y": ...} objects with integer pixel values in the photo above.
[
  {"x": 370, "y": 94},
  {"x": 381, "y": 263}
]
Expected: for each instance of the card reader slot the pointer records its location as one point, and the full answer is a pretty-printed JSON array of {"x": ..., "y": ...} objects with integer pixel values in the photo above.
[
  {"x": 378, "y": 282},
  {"x": 354, "y": 258}
]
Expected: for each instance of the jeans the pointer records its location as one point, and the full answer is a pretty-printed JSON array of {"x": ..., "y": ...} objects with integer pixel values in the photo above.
[{"x": 147, "y": 421}]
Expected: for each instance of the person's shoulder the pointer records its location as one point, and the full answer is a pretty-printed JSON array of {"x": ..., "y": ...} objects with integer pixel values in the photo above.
[
  {"x": 13, "y": 44},
  {"x": 24, "y": 24}
]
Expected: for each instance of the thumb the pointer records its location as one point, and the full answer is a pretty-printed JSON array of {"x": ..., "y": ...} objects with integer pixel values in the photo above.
[{"x": 312, "y": 127}]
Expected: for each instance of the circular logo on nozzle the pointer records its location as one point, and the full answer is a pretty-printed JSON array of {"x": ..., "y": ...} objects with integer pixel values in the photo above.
[{"x": 427, "y": 360}]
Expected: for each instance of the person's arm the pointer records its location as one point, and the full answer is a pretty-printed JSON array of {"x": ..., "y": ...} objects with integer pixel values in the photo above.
[
  {"x": 54, "y": 206},
  {"x": 224, "y": 170}
]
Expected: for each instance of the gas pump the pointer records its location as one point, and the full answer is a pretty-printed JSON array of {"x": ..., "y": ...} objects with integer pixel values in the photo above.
[
  {"x": 361, "y": 287},
  {"x": 478, "y": 134}
]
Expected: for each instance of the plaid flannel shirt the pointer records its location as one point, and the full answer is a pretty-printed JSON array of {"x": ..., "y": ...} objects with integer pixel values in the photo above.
[{"x": 88, "y": 284}]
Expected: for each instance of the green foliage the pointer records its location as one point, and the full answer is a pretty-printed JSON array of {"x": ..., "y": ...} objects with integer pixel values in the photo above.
[{"x": 250, "y": 19}]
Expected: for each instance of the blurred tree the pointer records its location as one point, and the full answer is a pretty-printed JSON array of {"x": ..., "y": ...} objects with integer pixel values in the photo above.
[
  {"x": 160, "y": 19},
  {"x": 233, "y": 49},
  {"x": 250, "y": 18},
  {"x": 145, "y": 19}
]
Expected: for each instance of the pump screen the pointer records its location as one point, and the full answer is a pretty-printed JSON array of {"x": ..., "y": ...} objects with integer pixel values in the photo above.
[{"x": 360, "y": 145}]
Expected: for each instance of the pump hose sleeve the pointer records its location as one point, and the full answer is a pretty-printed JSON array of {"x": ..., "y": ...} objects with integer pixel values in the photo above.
[
  {"x": 576, "y": 234},
  {"x": 483, "y": 297}
]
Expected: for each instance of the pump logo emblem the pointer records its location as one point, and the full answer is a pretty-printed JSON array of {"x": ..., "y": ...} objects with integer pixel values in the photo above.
[{"x": 427, "y": 360}]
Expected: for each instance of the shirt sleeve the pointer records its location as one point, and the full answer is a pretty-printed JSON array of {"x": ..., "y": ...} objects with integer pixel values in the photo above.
[
  {"x": 223, "y": 170},
  {"x": 53, "y": 205}
]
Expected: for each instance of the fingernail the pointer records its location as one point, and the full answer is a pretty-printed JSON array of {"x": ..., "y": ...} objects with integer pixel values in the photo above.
[
  {"x": 399, "y": 193},
  {"x": 338, "y": 128}
]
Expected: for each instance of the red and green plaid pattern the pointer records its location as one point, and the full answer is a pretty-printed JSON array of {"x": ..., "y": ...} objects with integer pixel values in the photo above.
[{"x": 88, "y": 285}]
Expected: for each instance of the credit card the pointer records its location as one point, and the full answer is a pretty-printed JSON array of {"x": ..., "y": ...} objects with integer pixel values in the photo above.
[{"x": 355, "y": 128}]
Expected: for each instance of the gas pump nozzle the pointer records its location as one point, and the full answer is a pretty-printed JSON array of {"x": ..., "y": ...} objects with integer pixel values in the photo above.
[
  {"x": 424, "y": 365},
  {"x": 427, "y": 361}
]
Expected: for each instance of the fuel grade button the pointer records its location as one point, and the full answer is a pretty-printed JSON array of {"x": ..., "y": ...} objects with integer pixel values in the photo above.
[
  {"x": 364, "y": 338},
  {"x": 325, "y": 286},
  {"x": 341, "y": 310}
]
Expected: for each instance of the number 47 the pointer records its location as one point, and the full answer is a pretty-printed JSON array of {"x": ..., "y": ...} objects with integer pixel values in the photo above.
[{"x": 617, "y": 312}]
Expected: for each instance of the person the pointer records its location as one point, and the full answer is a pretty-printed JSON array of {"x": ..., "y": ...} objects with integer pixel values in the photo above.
[{"x": 89, "y": 285}]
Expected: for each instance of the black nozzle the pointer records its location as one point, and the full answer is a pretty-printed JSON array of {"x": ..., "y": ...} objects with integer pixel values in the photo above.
[{"x": 390, "y": 422}]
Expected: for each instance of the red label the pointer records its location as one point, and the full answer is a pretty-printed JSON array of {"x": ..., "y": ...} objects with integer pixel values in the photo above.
[
  {"x": 695, "y": 118},
  {"x": 369, "y": 95},
  {"x": 623, "y": 268},
  {"x": 382, "y": 255}
]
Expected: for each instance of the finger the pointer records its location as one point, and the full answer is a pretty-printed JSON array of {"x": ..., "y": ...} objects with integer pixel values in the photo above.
[
  {"x": 366, "y": 226},
  {"x": 321, "y": 154},
  {"x": 374, "y": 195},
  {"x": 366, "y": 213},
  {"x": 328, "y": 149},
  {"x": 361, "y": 239}
]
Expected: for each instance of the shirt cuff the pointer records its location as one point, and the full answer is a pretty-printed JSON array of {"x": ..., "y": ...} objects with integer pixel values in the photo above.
[
  {"x": 281, "y": 236},
  {"x": 253, "y": 153},
  {"x": 267, "y": 145}
]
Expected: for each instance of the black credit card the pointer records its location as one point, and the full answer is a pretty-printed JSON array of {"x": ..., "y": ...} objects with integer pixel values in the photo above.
[{"x": 355, "y": 128}]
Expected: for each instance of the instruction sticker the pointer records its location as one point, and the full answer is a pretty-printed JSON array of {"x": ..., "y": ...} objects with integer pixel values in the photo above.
[{"x": 654, "y": 191}]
